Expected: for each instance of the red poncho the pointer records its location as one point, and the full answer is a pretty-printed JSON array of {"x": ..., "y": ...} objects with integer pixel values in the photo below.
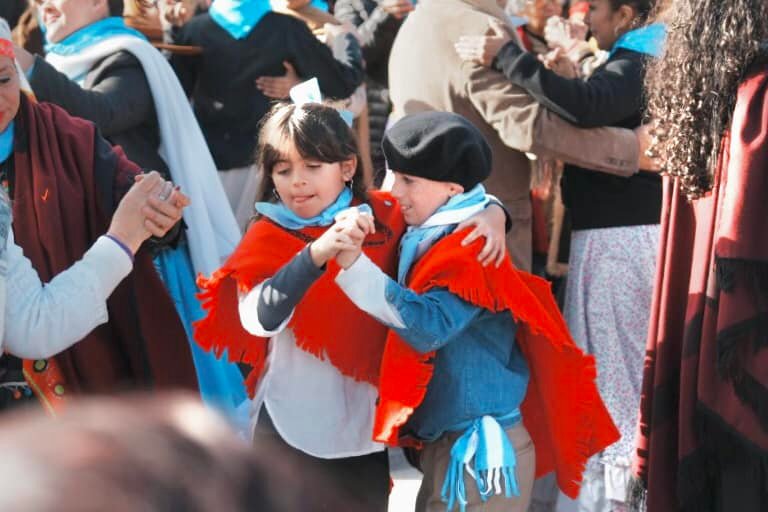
[
  {"x": 325, "y": 323},
  {"x": 562, "y": 410}
]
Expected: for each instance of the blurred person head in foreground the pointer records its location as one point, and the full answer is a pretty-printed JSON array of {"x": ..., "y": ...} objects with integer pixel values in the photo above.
[{"x": 166, "y": 453}]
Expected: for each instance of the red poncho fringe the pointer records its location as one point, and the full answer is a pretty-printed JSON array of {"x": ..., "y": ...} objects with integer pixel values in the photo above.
[
  {"x": 562, "y": 410},
  {"x": 325, "y": 323}
]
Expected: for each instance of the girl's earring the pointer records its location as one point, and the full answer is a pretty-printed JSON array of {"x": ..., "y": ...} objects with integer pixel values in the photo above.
[
  {"x": 275, "y": 194},
  {"x": 351, "y": 183}
]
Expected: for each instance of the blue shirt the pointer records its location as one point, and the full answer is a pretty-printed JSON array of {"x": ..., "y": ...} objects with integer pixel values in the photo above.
[{"x": 478, "y": 367}]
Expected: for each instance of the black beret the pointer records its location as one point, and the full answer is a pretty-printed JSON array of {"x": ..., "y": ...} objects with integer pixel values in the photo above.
[{"x": 439, "y": 146}]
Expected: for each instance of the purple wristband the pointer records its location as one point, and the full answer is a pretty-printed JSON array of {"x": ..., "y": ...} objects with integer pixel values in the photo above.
[{"x": 121, "y": 245}]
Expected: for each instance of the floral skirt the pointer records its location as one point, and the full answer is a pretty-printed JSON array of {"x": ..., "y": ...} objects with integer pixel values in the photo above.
[{"x": 607, "y": 308}]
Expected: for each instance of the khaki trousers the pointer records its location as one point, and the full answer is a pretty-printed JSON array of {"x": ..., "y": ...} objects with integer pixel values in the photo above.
[{"x": 434, "y": 459}]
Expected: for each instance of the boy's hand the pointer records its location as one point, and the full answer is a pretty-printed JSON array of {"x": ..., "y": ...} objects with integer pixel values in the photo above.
[{"x": 491, "y": 224}]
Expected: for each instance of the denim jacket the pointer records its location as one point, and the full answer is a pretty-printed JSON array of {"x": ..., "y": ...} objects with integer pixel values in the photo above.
[{"x": 478, "y": 367}]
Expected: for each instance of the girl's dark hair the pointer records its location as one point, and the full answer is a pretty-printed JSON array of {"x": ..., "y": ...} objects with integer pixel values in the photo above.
[
  {"x": 692, "y": 89},
  {"x": 644, "y": 8},
  {"x": 317, "y": 131}
]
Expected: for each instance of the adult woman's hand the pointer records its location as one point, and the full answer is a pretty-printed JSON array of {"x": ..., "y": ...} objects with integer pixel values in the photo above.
[
  {"x": 176, "y": 12},
  {"x": 646, "y": 138},
  {"x": 150, "y": 208},
  {"x": 279, "y": 87},
  {"x": 483, "y": 49},
  {"x": 397, "y": 8}
]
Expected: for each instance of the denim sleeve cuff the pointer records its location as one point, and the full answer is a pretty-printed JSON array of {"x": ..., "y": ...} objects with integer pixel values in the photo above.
[{"x": 366, "y": 285}]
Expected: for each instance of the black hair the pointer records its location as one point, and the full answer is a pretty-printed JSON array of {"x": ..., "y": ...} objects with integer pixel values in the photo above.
[{"x": 317, "y": 131}]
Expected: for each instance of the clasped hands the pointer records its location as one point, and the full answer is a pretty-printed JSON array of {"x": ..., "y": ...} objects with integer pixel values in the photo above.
[
  {"x": 150, "y": 208},
  {"x": 344, "y": 240}
]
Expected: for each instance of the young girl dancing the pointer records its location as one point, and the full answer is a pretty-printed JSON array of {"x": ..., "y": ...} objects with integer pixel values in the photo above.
[{"x": 274, "y": 304}]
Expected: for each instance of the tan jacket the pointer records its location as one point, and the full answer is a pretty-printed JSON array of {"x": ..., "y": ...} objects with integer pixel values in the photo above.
[{"x": 425, "y": 73}]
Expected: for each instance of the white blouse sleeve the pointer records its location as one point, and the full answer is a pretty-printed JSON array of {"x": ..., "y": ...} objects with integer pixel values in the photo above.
[
  {"x": 41, "y": 320},
  {"x": 249, "y": 316}
]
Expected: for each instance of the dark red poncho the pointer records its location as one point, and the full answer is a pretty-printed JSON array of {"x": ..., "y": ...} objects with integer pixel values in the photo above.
[
  {"x": 64, "y": 192},
  {"x": 703, "y": 441}
]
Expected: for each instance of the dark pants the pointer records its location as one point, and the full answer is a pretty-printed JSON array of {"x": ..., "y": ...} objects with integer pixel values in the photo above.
[{"x": 359, "y": 484}]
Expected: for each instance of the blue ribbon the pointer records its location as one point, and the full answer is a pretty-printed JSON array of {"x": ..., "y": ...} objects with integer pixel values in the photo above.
[
  {"x": 92, "y": 34},
  {"x": 6, "y": 142},
  {"x": 475, "y": 450},
  {"x": 649, "y": 40},
  {"x": 238, "y": 17},
  {"x": 283, "y": 215}
]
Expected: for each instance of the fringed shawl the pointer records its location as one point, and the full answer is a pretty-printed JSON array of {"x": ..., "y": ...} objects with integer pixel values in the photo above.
[
  {"x": 325, "y": 323},
  {"x": 562, "y": 409}
]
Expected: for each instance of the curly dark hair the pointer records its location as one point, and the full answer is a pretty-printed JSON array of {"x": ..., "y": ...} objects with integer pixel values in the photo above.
[{"x": 692, "y": 88}]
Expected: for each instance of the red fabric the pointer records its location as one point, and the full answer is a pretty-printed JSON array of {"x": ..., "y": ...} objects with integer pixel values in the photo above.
[
  {"x": 325, "y": 323},
  {"x": 578, "y": 8},
  {"x": 6, "y": 49},
  {"x": 524, "y": 38},
  {"x": 562, "y": 410},
  {"x": 705, "y": 376},
  {"x": 58, "y": 213}
]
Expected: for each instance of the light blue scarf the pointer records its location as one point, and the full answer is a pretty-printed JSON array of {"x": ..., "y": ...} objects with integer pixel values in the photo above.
[
  {"x": 238, "y": 17},
  {"x": 648, "y": 40},
  {"x": 92, "y": 34},
  {"x": 485, "y": 452},
  {"x": 417, "y": 240},
  {"x": 6, "y": 145},
  {"x": 283, "y": 215}
]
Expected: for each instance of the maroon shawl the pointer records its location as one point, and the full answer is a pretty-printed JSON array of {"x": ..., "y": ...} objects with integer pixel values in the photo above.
[
  {"x": 64, "y": 192},
  {"x": 703, "y": 440}
]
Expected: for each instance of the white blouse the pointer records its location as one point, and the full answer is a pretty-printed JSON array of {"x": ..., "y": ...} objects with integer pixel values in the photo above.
[
  {"x": 313, "y": 406},
  {"x": 41, "y": 320}
]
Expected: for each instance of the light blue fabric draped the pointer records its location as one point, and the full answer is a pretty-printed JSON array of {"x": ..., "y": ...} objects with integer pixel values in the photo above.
[{"x": 220, "y": 381}]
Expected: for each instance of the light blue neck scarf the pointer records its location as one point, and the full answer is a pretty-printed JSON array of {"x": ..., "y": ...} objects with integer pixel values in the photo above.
[
  {"x": 417, "y": 240},
  {"x": 648, "y": 40},
  {"x": 282, "y": 215},
  {"x": 91, "y": 34},
  {"x": 238, "y": 17},
  {"x": 6, "y": 145}
]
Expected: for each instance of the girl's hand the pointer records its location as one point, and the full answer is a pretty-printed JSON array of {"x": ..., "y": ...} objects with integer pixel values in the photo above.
[
  {"x": 483, "y": 49},
  {"x": 347, "y": 233},
  {"x": 491, "y": 224},
  {"x": 357, "y": 225}
]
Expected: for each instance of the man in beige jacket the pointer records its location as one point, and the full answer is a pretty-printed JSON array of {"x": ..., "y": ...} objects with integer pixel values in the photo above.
[{"x": 425, "y": 73}]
